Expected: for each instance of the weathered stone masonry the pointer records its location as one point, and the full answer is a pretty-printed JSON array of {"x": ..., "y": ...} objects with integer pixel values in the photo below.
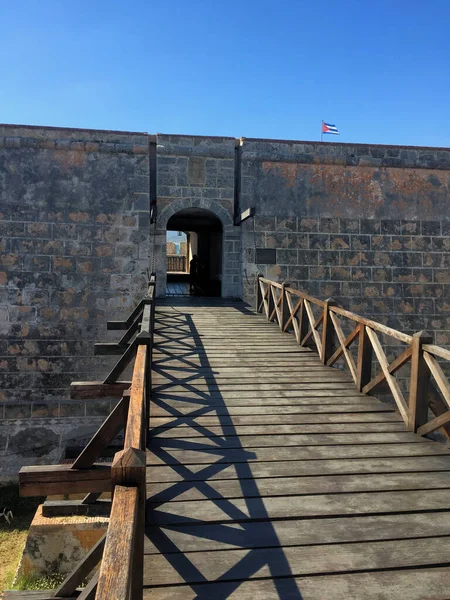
[
  {"x": 368, "y": 225},
  {"x": 74, "y": 244}
]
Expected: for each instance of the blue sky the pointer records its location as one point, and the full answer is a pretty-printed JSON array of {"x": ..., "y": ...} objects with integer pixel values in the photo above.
[{"x": 253, "y": 68}]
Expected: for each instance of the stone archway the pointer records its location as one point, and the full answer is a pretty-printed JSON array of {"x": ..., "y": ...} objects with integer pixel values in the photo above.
[{"x": 231, "y": 259}]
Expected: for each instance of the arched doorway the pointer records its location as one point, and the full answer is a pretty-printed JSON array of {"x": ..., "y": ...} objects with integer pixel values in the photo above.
[
  {"x": 201, "y": 233},
  {"x": 231, "y": 280}
]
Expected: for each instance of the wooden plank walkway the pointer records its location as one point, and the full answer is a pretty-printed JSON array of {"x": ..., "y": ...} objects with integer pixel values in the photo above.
[{"x": 269, "y": 476}]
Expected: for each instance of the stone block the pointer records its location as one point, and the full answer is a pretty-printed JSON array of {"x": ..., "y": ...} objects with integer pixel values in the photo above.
[
  {"x": 196, "y": 170},
  {"x": 276, "y": 240},
  {"x": 328, "y": 257},
  {"x": 340, "y": 273},
  {"x": 266, "y": 256},
  {"x": 329, "y": 225},
  {"x": 298, "y": 273},
  {"x": 308, "y": 224},
  {"x": 319, "y": 241},
  {"x": 410, "y": 227},
  {"x": 320, "y": 272},
  {"x": 286, "y": 257},
  {"x": 286, "y": 224},
  {"x": 431, "y": 228},
  {"x": 264, "y": 223},
  {"x": 17, "y": 411},
  {"x": 370, "y": 226}
]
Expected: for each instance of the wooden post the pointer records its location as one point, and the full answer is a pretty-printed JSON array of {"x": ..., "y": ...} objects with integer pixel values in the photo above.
[
  {"x": 328, "y": 333},
  {"x": 284, "y": 306},
  {"x": 258, "y": 293},
  {"x": 418, "y": 383},
  {"x": 303, "y": 324},
  {"x": 128, "y": 469},
  {"x": 364, "y": 366},
  {"x": 270, "y": 303}
]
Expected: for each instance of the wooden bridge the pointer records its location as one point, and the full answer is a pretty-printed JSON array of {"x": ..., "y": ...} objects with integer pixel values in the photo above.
[{"x": 265, "y": 472}]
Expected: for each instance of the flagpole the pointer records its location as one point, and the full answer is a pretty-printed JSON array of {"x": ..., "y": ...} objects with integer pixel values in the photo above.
[{"x": 321, "y": 132}]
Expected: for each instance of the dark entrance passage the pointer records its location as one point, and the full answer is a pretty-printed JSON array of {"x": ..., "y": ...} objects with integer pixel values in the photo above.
[{"x": 202, "y": 232}]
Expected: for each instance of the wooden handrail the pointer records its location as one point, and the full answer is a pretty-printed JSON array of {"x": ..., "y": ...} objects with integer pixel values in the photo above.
[
  {"x": 124, "y": 542},
  {"x": 429, "y": 387},
  {"x": 135, "y": 424},
  {"x": 125, "y": 536},
  {"x": 398, "y": 335},
  {"x": 116, "y": 573}
]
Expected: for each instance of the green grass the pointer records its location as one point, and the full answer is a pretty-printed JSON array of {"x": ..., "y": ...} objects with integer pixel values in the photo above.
[
  {"x": 47, "y": 582},
  {"x": 13, "y": 536}
]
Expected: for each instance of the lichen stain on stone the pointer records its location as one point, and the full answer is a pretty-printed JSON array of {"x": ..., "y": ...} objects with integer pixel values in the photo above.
[
  {"x": 273, "y": 272},
  {"x": 87, "y": 538},
  {"x": 349, "y": 188},
  {"x": 69, "y": 159},
  {"x": 287, "y": 170}
]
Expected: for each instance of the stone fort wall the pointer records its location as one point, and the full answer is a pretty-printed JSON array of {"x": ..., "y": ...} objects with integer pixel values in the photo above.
[
  {"x": 73, "y": 246},
  {"x": 368, "y": 225}
]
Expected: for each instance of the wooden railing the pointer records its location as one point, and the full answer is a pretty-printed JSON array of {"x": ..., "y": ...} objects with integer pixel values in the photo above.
[
  {"x": 121, "y": 549},
  {"x": 176, "y": 262},
  {"x": 321, "y": 323}
]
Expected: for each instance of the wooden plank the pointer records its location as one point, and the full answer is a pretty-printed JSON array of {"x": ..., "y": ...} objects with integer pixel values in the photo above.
[
  {"x": 135, "y": 429},
  {"x": 348, "y": 340},
  {"x": 51, "y": 480},
  {"x": 34, "y": 595},
  {"x": 342, "y": 341},
  {"x": 438, "y": 406},
  {"x": 320, "y": 505},
  {"x": 109, "y": 349},
  {"x": 311, "y": 454},
  {"x": 211, "y": 382},
  {"x": 374, "y": 325},
  {"x": 291, "y": 468},
  {"x": 412, "y": 584},
  {"x": 211, "y": 537},
  {"x": 390, "y": 379},
  {"x": 104, "y": 435},
  {"x": 439, "y": 376},
  {"x": 325, "y": 394},
  {"x": 115, "y": 582},
  {"x": 213, "y": 420},
  {"x": 82, "y": 570},
  {"x": 81, "y": 390},
  {"x": 178, "y": 407},
  {"x": 310, "y": 560},
  {"x": 121, "y": 364},
  {"x": 89, "y": 591},
  {"x": 268, "y": 430},
  {"x": 393, "y": 367},
  {"x": 437, "y": 351},
  {"x": 261, "y": 441},
  {"x": 418, "y": 382},
  {"x": 181, "y": 372},
  {"x": 301, "y": 294},
  {"x": 263, "y": 487},
  {"x": 435, "y": 423},
  {"x": 292, "y": 316},
  {"x": 308, "y": 384},
  {"x": 60, "y": 508}
]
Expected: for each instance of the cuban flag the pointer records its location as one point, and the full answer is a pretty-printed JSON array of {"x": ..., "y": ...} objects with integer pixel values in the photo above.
[{"x": 329, "y": 128}]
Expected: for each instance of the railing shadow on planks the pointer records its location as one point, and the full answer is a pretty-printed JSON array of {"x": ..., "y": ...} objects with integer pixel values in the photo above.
[
  {"x": 121, "y": 549},
  {"x": 295, "y": 311}
]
